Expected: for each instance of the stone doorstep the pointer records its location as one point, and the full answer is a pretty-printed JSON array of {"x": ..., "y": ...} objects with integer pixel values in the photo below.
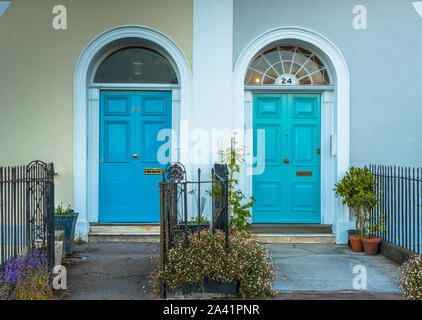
[
  {"x": 124, "y": 237},
  {"x": 124, "y": 232},
  {"x": 322, "y": 238},
  {"x": 124, "y": 228},
  {"x": 103, "y": 232},
  {"x": 262, "y": 238}
]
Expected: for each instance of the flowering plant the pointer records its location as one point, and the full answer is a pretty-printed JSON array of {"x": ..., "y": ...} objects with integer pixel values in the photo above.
[
  {"x": 245, "y": 261},
  {"x": 26, "y": 278},
  {"x": 410, "y": 278}
]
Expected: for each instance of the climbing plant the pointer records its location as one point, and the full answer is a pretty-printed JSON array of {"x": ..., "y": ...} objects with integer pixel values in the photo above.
[{"x": 239, "y": 205}]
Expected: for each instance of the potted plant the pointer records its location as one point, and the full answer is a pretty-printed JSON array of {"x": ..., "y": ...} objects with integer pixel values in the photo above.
[
  {"x": 65, "y": 219},
  {"x": 369, "y": 240},
  {"x": 357, "y": 190}
]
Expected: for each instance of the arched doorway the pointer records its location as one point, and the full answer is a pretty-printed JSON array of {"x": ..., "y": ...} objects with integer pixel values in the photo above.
[
  {"x": 119, "y": 72},
  {"x": 288, "y": 189},
  {"x": 325, "y": 85}
]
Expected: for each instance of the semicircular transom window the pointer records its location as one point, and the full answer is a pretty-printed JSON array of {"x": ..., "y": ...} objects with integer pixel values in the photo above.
[
  {"x": 287, "y": 65},
  {"x": 135, "y": 65}
]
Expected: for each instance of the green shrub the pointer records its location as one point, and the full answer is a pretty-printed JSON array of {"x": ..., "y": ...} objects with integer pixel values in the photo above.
[
  {"x": 61, "y": 211},
  {"x": 357, "y": 190},
  {"x": 410, "y": 278},
  {"x": 245, "y": 261}
]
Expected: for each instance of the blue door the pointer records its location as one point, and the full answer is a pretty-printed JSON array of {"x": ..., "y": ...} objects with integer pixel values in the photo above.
[
  {"x": 289, "y": 189},
  {"x": 129, "y": 124}
]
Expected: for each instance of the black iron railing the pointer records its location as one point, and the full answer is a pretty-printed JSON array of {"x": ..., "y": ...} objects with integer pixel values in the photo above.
[
  {"x": 26, "y": 210},
  {"x": 192, "y": 206},
  {"x": 400, "y": 208}
]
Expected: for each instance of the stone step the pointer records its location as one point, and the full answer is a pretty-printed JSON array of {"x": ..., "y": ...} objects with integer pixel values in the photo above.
[
  {"x": 124, "y": 232},
  {"x": 124, "y": 228},
  {"x": 124, "y": 237},
  {"x": 262, "y": 238},
  {"x": 265, "y": 233},
  {"x": 287, "y": 228},
  {"x": 296, "y": 238}
]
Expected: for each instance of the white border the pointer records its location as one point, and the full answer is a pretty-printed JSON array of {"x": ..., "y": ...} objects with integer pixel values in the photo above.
[
  {"x": 86, "y": 112},
  {"x": 334, "y": 117}
]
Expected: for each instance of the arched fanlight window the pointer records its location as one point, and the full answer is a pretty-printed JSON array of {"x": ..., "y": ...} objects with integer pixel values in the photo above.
[
  {"x": 287, "y": 65},
  {"x": 135, "y": 65}
]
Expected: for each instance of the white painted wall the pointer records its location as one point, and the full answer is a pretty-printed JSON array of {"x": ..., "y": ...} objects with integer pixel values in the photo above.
[{"x": 212, "y": 66}]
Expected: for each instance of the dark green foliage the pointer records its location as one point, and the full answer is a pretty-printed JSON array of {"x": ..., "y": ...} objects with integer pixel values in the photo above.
[{"x": 357, "y": 190}]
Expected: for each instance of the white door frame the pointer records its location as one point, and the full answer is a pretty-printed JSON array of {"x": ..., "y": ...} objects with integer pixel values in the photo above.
[
  {"x": 334, "y": 116},
  {"x": 86, "y": 110}
]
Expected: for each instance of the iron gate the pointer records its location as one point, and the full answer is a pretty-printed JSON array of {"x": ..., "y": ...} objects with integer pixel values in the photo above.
[
  {"x": 182, "y": 200},
  {"x": 27, "y": 210}
]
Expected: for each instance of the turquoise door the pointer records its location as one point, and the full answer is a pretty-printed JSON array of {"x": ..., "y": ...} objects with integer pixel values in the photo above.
[
  {"x": 289, "y": 189},
  {"x": 129, "y": 124}
]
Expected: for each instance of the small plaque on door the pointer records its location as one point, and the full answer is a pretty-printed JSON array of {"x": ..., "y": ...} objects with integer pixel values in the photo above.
[
  {"x": 153, "y": 171},
  {"x": 304, "y": 173}
]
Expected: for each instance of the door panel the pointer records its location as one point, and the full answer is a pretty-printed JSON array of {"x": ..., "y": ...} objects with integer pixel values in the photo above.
[
  {"x": 129, "y": 124},
  {"x": 154, "y": 104},
  {"x": 116, "y": 141},
  {"x": 304, "y": 148},
  {"x": 149, "y": 143},
  {"x": 288, "y": 192}
]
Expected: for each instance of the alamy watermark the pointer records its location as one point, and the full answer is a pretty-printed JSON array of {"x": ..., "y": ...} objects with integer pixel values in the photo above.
[
  {"x": 199, "y": 146},
  {"x": 60, "y": 18},
  {"x": 360, "y": 280},
  {"x": 360, "y": 20},
  {"x": 59, "y": 277}
]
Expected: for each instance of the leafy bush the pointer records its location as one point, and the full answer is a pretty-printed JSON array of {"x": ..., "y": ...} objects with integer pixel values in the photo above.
[
  {"x": 245, "y": 261},
  {"x": 26, "y": 278},
  {"x": 194, "y": 220},
  {"x": 410, "y": 278},
  {"x": 240, "y": 211},
  {"x": 61, "y": 211},
  {"x": 357, "y": 190}
]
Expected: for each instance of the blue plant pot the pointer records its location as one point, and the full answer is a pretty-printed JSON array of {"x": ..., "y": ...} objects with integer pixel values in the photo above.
[{"x": 67, "y": 224}]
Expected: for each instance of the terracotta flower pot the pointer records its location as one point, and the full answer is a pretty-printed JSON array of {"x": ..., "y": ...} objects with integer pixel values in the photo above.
[
  {"x": 356, "y": 243},
  {"x": 371, "y": 245}
]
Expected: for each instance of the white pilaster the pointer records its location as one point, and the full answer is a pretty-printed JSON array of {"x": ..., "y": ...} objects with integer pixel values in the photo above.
[{"x": 212, "y": 66}]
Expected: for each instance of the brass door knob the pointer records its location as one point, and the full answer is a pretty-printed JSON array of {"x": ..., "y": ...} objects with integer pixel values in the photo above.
[
  {"x": 135, "y": 156},
  {"x": 286, "y": 160}
]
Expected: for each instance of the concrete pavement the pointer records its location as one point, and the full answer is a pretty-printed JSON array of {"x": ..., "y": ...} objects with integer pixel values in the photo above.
[
  {"x": 322, "y": 267},
  {"x": 111, "y": 271},
  {"x": 120, "y": 271}
]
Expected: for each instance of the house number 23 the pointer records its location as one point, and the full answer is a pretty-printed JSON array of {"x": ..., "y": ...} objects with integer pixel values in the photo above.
[{"x": 136, "y": 109}]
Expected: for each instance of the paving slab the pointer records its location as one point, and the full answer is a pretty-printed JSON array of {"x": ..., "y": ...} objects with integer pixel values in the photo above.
[
  {"x": 119, "y": 271},
  {"x": 111, "y": 271},
  {"x": 328, "y": 267}
]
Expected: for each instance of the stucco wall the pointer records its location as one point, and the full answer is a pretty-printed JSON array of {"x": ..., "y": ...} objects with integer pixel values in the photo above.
[
  {"x": 384, "y": 62},
  {"x": 37, "y": 66}
]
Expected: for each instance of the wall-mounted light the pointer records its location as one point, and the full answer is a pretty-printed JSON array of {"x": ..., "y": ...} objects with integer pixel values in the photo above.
[{"x": 138, "y": 66}]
